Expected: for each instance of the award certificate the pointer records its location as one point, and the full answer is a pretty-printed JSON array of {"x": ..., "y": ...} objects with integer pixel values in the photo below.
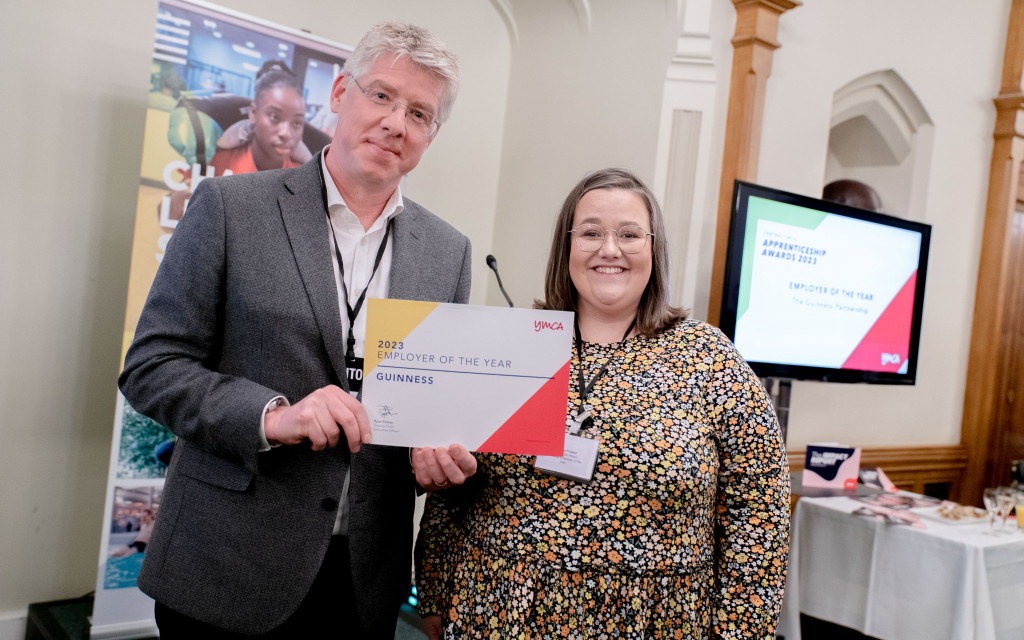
[{"x": 493, "y": 379}]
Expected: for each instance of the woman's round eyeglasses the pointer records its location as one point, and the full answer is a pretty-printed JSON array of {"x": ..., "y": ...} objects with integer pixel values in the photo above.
[{"x": 631, "y": 238}]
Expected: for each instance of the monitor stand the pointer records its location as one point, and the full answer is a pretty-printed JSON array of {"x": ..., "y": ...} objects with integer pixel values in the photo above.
[{"x": 779, "y": 389}]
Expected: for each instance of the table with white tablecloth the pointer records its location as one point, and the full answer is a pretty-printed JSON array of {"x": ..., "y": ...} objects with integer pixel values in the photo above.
[{"x": 896, "y": 582}]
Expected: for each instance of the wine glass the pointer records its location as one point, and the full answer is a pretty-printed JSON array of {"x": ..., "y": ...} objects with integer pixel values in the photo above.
[
  {"x": 1020, "y": 511},
  {"x": 1005, "y": 500},
  {"x": 992, "y": 506}
]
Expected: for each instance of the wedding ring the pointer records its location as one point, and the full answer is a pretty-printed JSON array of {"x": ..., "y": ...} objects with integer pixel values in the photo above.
[{"x": 442, "y": 484}]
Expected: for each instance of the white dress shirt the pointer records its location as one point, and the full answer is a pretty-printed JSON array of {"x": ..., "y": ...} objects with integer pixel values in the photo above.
[{"x": 358, "y": 248}]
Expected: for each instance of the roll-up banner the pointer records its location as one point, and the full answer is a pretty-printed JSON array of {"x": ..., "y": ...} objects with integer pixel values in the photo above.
[{"x": 204, "y": 119}]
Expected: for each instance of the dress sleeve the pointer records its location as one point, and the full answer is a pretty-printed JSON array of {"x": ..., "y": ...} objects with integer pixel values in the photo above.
[{"x": 752, "y": 501}]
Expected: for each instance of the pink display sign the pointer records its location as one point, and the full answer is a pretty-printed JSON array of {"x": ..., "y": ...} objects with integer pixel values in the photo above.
[{"x": 831, "y": 467}]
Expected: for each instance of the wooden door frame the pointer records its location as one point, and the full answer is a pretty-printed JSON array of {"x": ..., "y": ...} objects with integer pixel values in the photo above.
[
  {"x": 754, "y": 44},
  {"x": 983, "y": 392}
]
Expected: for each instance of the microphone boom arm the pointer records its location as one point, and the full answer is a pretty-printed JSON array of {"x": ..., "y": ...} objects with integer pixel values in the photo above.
[{"x": 492, "y": 262}]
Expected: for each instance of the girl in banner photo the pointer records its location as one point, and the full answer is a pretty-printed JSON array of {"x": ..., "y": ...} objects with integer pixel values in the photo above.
[
  {"x": 676, "y": 524},
  {"x": 269, "y": 138}
]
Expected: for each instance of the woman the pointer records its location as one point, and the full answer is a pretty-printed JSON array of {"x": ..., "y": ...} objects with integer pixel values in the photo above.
[{"x": 683, "y": 531}]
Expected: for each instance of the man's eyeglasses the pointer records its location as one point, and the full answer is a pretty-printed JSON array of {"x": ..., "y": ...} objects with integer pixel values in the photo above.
[
  {"x": 631, "y": 238},
  {"x": 420, "y": 119}
]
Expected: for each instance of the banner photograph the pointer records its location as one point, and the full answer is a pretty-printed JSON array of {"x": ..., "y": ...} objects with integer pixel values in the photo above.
[{"x": 228, "y": 94}]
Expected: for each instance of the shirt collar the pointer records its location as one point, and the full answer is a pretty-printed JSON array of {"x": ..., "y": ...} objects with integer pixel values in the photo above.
[{"x": 394, "y": 206}]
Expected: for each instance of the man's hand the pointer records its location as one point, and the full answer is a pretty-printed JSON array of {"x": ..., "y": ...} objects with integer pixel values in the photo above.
[
  {"x": 442, "y": 467},
  {"x": 320, "y": 417}
]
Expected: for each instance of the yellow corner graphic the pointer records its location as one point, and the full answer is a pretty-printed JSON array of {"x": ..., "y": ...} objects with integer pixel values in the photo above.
[{"x": 388, "y": 323}]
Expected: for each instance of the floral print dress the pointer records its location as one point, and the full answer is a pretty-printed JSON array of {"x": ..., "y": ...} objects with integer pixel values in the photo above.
[{"x": 683, "y": 532}]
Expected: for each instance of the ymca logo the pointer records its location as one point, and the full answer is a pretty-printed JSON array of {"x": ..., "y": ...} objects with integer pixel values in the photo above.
[
  {"x": 890, "y": 358},
  {"x": 540, "y": 325}
]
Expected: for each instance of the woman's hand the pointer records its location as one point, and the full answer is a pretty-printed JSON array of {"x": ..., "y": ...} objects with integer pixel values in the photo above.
[
  {"x": 432, "y": 627},
  {"x": 441, "y": 467}
]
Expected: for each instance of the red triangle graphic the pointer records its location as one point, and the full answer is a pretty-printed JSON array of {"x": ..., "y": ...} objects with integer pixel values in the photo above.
[
  {"x": 889, "y": 335},
  {"x": 525, "y": 432}
]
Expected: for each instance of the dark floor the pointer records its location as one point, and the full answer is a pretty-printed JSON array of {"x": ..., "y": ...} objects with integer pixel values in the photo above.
[
  {"x": 408, "y": 625},
  {"x": 68, "y": 619},
  {"x": 815, "y": 629}
]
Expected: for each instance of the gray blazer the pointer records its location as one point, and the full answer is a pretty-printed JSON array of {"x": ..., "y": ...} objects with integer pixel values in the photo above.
[{"x": 244, "y": 307}]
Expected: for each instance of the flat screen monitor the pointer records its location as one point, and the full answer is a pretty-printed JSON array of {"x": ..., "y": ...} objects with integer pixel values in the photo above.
[{"x": 816, "y": 290}]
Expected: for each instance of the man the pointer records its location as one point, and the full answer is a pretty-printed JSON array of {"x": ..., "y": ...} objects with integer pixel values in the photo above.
[
  {"x": 242, "y": 350},
  {"x": 853, "y": 193}
]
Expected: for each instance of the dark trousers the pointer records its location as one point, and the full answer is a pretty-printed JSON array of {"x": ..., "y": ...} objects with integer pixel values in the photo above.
[{"x": 328, "y": 611}]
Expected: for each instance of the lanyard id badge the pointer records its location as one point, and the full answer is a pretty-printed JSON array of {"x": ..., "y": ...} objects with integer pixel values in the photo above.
[
  {"x": 353, "y": 364},
  {"x": 354, "y": 367},
  {"x": 577, "y": 462},
  {"x": 579, "y": 458}
]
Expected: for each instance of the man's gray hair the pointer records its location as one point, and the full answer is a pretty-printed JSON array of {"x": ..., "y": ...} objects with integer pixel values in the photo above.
[{"x": 416, "y": 43}]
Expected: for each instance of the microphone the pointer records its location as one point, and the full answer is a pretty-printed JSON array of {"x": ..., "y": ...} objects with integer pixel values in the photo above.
[{"x": 492, "y": 262}]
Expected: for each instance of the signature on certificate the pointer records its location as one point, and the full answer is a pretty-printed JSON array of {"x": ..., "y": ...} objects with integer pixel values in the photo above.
[{"x": 386, "y": 411}]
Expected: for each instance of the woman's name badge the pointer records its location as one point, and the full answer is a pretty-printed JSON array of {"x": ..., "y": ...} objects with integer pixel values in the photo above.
[{"x": 576, "y": 463}]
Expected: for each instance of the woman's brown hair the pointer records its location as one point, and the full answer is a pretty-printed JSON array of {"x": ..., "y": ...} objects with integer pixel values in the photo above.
[{"x": 654, "y": 314}]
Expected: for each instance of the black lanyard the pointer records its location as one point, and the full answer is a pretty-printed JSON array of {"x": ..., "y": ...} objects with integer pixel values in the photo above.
[
  {"x": 584, "y": 387},
  {"x": 353, "y": 312}
]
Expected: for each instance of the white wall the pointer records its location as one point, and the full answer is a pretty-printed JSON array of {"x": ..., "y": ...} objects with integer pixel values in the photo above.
[
  {"x": 73, "y": 112},
  {"x": 952, "y": 61},
  {"x": 690, "y": 139},
  {"x": 584, "y": 94}
]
